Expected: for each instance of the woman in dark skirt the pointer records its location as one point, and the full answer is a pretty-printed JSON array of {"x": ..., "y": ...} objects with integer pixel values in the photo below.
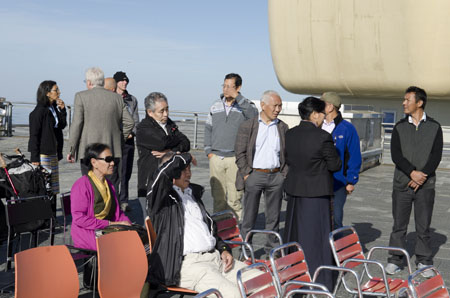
[{"x": 312, "y": 159}]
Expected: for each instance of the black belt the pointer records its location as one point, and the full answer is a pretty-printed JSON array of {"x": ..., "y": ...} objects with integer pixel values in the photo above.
[
  {"x": 203, "y": 252},
  {"x": 274, "y": 170}
]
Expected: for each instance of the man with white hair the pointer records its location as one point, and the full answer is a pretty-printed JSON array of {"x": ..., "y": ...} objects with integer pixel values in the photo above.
[
  {"x": 260, "y": 159},
  {"x": 100, "y": 116}
]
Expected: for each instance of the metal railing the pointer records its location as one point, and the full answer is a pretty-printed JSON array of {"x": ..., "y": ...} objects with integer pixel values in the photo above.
[{"x": 190, "y": 123}]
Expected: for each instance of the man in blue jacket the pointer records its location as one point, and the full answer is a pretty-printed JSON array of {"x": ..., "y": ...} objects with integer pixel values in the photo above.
[{"x": 346, "y": 140}]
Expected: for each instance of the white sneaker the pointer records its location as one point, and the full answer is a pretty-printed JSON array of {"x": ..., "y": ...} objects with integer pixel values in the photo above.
[
  {"x": 428, "y": 273},
  {"x": 392, "y": 269}
]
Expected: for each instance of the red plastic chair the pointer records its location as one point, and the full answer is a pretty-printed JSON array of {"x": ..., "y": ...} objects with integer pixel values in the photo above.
[
  {"x": 122, "y": 265},
  {"x": 291, "y": 270},
  {"x": 262, "y": 285},
  {"x": 347, "y": 252},
  {"x": 433, "y": 287},
  {"x": 46, "y": 272},
  {"x": 228, "y": 230},
  {"x": 151, "y": 239}
]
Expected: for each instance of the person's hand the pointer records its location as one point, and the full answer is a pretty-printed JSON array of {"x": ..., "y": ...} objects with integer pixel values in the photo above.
[
  {"x": 210, "y": 155},
  {"x": 60, "y": 104},
  {"x": 418, "y": 177},
  {"x": 350, "y": 188},
  {"x": 130, "y": 136},
  {"x": 70, "y": 158},
  {"x": 35, "y": 163},
  {"x": 227, "y": 260},
  {"x": 413, "y": 185},
  {"x": 246, "y": 176},
  {"x": 159, "y": 154}
]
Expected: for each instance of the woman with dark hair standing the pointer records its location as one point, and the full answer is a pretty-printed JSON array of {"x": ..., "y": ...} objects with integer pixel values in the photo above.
[
  {"x": 94, "y": 203},
  {"x": 46, "y": 123},
  {"x": 312, "y": 159}
]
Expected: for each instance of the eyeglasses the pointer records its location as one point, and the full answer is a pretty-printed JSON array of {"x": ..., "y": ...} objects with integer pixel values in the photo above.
[
  {"x": 107, "y": 159},
  {"x": 228, "y": 87},
  {"x": 55, "y": 90}
]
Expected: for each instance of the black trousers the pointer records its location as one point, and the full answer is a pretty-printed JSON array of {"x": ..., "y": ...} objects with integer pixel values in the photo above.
[
  {"x": 127, "y": 169},
  {"x": 402, "y": 202},
  {"x": 272, "y": 186},
  {"x": 114, "y": 177},
  {"x": 308, "y": 222}
]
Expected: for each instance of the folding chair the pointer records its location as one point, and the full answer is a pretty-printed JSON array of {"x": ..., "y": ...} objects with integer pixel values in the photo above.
[
  {"x": 64, "y": 199},
  {"x": 46, "y": 272},
  {"x": 209, "y": 292},
  {"x": 291, "y": 270},
  {"x": 27, "y": 215},
  {"x": 122, "y": 265},
  {"x": 228, "y": 230},
  {"x": 151, "y": 239},
  {"x": 433, "y": 287},
  {"x": 347, "y": 252},
  {"x": 263, "y": 285}
]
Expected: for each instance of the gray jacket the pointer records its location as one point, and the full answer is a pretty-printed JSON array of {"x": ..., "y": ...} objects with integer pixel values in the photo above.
[
  {"x": 100, "y": 116},
  {"x": 245, "y": 149},
  {"x": 221, "y": 129}
]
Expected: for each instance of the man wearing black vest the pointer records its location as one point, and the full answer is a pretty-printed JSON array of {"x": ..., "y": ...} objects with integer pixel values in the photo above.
[{"x": 416, "y": 150}]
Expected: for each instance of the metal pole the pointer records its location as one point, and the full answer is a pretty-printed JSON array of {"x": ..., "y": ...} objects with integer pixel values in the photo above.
[{"x": 195, "y": 130}]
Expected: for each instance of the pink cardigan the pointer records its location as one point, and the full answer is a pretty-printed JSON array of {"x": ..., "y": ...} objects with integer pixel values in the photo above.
[{"x": 84, "y": 222}]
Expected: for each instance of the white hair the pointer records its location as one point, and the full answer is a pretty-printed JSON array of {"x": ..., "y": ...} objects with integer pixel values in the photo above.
[
  {"x": 96, "y": 76},
  {"x": 267, "y": 95}
]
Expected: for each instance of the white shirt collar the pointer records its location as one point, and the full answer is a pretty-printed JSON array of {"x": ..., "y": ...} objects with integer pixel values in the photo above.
[{"x": 424, "y": 118}]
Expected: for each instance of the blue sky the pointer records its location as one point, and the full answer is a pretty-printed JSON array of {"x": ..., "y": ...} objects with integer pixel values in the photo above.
[{"x": 180, "y": 48}]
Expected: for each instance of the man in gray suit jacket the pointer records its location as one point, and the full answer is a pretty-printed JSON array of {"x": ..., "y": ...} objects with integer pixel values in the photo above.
[
  {"x": 100, "y": 116},
  {"x": 260, "y": 159}
]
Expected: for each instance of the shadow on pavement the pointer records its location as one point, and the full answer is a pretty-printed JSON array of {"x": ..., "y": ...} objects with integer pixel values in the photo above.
[{"x": 366, "y": 233}]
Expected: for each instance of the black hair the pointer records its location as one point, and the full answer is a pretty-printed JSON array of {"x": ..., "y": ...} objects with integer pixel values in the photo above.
[
  {"x": 237, "y": 79},
  {"x": 44, "y": 88},
  {"x": 309, "y": 105},
  {"x": 419, "y": 93},
  {"x": 93, "y": 151}
]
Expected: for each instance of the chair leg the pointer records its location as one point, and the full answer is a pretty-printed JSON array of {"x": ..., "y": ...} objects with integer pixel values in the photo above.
[{"x": 9, "y": 248}]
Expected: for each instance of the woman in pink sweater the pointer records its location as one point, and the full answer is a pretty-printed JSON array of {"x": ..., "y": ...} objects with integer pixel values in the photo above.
[{"x": 94, "y": 202}]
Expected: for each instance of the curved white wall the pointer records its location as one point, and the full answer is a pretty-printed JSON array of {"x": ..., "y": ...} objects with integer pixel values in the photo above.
[{"x": 373, "y": 48}]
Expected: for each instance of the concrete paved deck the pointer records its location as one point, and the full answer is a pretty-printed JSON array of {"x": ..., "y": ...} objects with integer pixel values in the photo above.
[{"x": 368, "y": 209}]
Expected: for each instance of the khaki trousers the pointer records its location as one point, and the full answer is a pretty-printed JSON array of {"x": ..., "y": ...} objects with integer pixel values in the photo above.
[
  {"x": 223, "y": 178},
  {"x": 203, "y": 271}
]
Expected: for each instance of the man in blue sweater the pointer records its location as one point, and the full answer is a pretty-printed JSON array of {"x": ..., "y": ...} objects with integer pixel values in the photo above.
[{"x": 346, "y": 140}]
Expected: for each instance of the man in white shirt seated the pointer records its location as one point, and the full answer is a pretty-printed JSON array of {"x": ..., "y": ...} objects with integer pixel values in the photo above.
[{"x": 187, "y": 252}]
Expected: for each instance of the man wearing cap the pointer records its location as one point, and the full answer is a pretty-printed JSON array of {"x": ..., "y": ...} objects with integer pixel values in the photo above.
[
  {"x": 128, "y": 146},
  {"x": 346, "y": 140},
  {"x": 262, "y": 168}
]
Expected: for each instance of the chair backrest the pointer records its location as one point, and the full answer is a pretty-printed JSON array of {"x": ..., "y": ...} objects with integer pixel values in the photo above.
[
  {"x": 208, "y": 293},
  {"x": 151, "y": 233},
  {"x": 21, "y": 211},
  {"x": 346, "y": 247},
  {"x": 433, "y": 287},
  {"x": 122, "y": 265},
  {"x": 262, "y": 285},
  {"x": 46, "y": 272},
  {"x": 65, "y": 203},
  {"x": 290, "y": 267},
  {"x": 228, "y": 226}
]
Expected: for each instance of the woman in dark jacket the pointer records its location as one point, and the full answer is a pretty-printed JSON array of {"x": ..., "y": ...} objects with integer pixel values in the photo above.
[
  {"x": 46, "y": 122},
  {"x": 156, "y": 134},
  {"x": 312, "y": 159}
]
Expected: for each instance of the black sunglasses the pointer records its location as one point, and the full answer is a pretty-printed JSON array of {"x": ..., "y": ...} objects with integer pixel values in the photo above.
[{"x": 107, "y": 159}]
